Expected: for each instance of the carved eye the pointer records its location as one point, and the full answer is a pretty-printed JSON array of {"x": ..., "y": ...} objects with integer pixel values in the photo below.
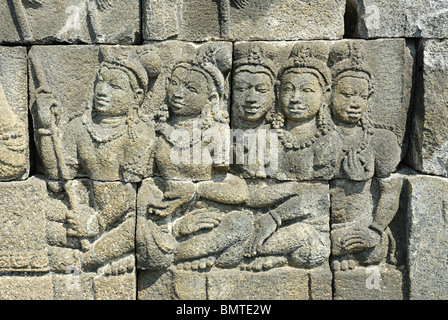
[
  {"x": 262, "y": 89},
  {"x": 192, "y": 89},
  {"x": 308, "y": 90},
  {"x": 115, "y": 86},
  {"x": 174, "y": 83},
  {"x": 365, "y": 97}
]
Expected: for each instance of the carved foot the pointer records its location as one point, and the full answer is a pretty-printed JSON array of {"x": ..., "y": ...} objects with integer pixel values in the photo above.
[
  {"x": 199, "y": 265},
  {"x": 265, "y": 264},
  {"x": 118, "y": 267},
  {"x": 344, "y": 265}
]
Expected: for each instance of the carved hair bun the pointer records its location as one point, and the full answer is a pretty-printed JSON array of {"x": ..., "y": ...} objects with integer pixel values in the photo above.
[
  {"x": 151, "y": 61},
  {"x": 216, "y": 54},
  {"x": 311, "y": 50}
]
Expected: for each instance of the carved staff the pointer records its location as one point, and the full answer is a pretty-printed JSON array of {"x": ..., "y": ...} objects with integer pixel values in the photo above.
[
  {"x": 18, "y": 12},
  {"x": 43, "y": 87},
  {"x": 225, "y": 18}
]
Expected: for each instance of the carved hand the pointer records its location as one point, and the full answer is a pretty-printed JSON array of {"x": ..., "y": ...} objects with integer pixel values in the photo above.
[
  {"x": 47, "y": 107},
  {"x": 32, "y": 3},
  {"x": 240, "y": 4},
  {"x": 265, "y": 226},
  {"x": 359, "y": 240},
  {"x": 83, "y": 223},
  {"x": 354, "y": 166},
  {"x": 197, "y": 220},
  {"x": 105, "y": 4},
  {"x": 176, "y": 195}
]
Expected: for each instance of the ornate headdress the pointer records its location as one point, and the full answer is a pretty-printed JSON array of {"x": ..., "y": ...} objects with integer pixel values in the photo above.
[
  {"x": 348, "y": 59},
  {"x": 256, "y": 56},
  {"x": 140, "y": 65},
  {"x": 312, "y": 56}
]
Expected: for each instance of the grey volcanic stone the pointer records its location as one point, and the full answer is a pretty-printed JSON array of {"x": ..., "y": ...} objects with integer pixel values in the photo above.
[
  {"x": 401, "y": 18},
  {"x": 428, "y": 240},
  {"x": 72, "y": 21},
  {"x": 199, "y": 20},
  {"x": 429, "y": 140}
]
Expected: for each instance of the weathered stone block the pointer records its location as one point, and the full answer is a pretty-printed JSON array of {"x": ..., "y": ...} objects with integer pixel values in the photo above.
[
  {"x": 381, "y": 282},
  {"x": 427, "y": 237},
  {"x": 22, "y": 227},
  {"x": 14, "y": 139},
  {"x": 402, "y": 18},
  {"x": 199, "y": 20},
  {"x": 73, "y": 21},
  {"x": 277, "y": 284},
  {"x": 429, "y": 138},
  {"x": 18, "y": 287}
]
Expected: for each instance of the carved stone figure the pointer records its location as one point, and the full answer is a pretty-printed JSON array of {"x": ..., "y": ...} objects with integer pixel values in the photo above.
[
  {"x": 108, "y": 142},
  {"x": 308, "y": 140},
  {"x": 360, "y": 233},
  {"x": 188, "y": 214},
  {"x": 13, "y": 142}
]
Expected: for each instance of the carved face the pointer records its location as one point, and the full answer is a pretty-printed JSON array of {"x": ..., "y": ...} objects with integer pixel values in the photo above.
[
  {"x": 113, "y": 93},
  {"x": 253, "y": 95},
  {"x": 350, "y": 99},
  {"x": 300, "y": 96},
  {"x": 188, "y": 92}
]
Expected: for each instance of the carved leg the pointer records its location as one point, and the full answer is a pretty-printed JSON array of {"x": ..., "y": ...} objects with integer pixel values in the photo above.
[
  {"x": 227, "y": 240},
  {"x": 300, "y": 243}
]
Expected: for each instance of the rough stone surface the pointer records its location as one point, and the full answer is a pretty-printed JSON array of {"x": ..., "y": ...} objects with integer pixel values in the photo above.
[
  {"x": 199, "y": 20},
  {"x": 223, "y": 149},
  {"x": 429, "y": 148},
  {"x": 401, "y": 18},
  {"x": 72, "y": 21},
  {"x": 427, "y": 232}
]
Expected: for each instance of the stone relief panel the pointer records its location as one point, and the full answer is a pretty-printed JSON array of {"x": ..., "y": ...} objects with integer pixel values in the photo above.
[
  {"x": 199, "y": 20},
  {"x": 260, "y": 223},
  {"x": 428, "y": 152},
  {"x": 14, "y": 145},
  {"x": 73, "y": 21}
]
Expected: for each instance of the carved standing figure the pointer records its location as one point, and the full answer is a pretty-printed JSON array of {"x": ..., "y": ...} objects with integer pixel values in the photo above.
[
  {"x": 360, "y": 233},
  {"x": 190, "y": 220}
]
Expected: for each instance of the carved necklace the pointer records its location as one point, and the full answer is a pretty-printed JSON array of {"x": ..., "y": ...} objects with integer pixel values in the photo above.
[
  {"x": 365, "y": 141},
  {"x": 289, "y": 142},
  {"x": 102, "y": 137}
]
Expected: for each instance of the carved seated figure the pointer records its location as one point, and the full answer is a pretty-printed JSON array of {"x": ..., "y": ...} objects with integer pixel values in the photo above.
[
  {"x": 13, "y": 142},
  {"x": 107, "y": 143},
  {"x": 360, "y": 234},
  {"x": 189, "y": 218},
  {"x": 286, "y": 232}
]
